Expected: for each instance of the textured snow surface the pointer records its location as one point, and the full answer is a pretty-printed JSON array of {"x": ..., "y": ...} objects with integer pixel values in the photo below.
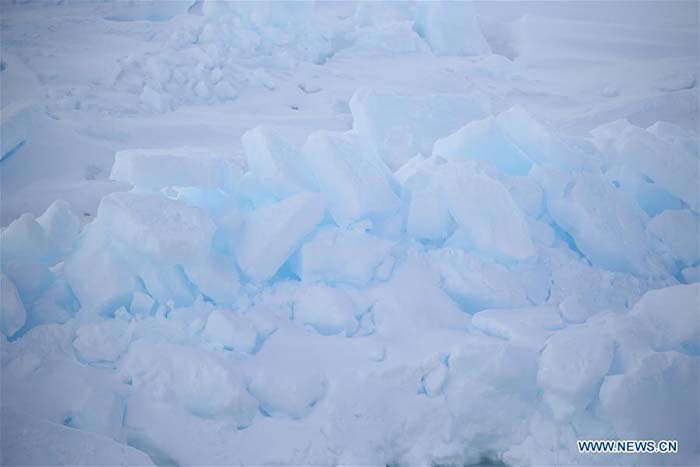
[{"x": 337, "y": 233}]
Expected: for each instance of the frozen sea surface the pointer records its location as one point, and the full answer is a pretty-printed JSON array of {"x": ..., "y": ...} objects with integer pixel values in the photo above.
[{"x": 339, "y": 233}]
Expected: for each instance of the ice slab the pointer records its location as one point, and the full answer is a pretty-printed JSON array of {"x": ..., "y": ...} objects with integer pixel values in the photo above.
[
  {"x": 450, "y": 28},
  {"x": 495, "y": 228},
  {"x": 13, "y": 313},
  {"x": 346, "y": 256},
  {"x": 394, "y": 38},
  {"x": 649, "y": 168},
  {"x": 670, "y": 316},
  {"x": 216, "y": 276},
  {"x": 399, "y": 127},
  {"x": 678, "y": 229},
  {"x": 477, "y": 284},
  {"x": 328, "y": 310},
  {"x": 658, "y": 400},
  {"x": 184, "y": 167},
  {"x": 571, "y": 368},
  {"x": 100, "y": 277},
  {"x": 157, "y": 227},
  {"x": 26, "y": 240},
  {"x": 102, "y": 342},
  {"x": 272, "y": 233},
  {"x": 352, "y": 178},
  {"x": 485, "y": 140},
  {"x": 232, "y": 331},
  {"x": 61, "y": 225},
  {"x": 531, "y": 325},
  {"x": 275, "y": 162},
  {"x": 608, "y": 229}
]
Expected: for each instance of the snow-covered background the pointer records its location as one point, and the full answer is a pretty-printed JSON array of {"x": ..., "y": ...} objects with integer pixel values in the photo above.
[{"x": 348, "y": 233}]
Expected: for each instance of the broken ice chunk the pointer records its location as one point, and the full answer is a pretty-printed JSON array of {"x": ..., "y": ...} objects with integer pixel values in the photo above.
[
  {"x": 160, "y": 168},
  {"x": 272, "y": 233},
  {"x": 353, "y": 179}
]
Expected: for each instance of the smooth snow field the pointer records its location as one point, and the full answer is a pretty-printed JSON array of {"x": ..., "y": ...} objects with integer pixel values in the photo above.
[{"x": 340, "y": 233}]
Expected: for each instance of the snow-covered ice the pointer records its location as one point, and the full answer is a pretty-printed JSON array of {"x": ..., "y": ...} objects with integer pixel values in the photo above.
[{"x": 348, "y": 233}]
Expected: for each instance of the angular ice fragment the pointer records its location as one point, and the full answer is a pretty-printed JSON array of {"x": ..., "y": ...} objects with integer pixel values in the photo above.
[
  {"x": 98, "y": 274},
  {"x": 657, "y": 400},
  {"x": 30, "y": 278},
  {"x": 671, "y": 317},
  {"x": 678, "y": 229},
  {"x": 485, "y": 140},
  {"x": 337, "y": 255},
  {"x": 399, "y": 127},
  {"x": 61, "y": 225},
  {"x": 13, "y": 313},
  {"x": 450, "y": 28},
  {"x": 428, "y": 216},
  {"x": 216, "y": 277},
  {"x": 142, "y": 304},
  {"x": 160, "y": 168},
  {"x": 353, "y": 179},
  {"x": 328, "y": 310},
  {"x": 231, "y": 330},
  {"x": 531, "y": 325},
  {"x": 691, "y": 274},
  {"x": 477, "y": 284},
  {"x": 102, "y": 342},
  {"x": 606, "y": 228},
  {"x": 272, "y": 233},
  {"x": 157, "y": 227},
  {"x": 679, "y": 138},
  {"x": 275, "y": 162},
  {"x": 494, "y": 224},
  {"x": 26, "y": 240},
  {"x": 651, "y": 168},
  {"x": 572, "y": 366},
  {"x": 393, "y": 38}
]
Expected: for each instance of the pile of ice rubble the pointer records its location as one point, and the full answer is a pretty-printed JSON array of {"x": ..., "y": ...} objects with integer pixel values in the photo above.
[
  {"x": 501, "y": 294},
  {"x": 218, "y": 49}
]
